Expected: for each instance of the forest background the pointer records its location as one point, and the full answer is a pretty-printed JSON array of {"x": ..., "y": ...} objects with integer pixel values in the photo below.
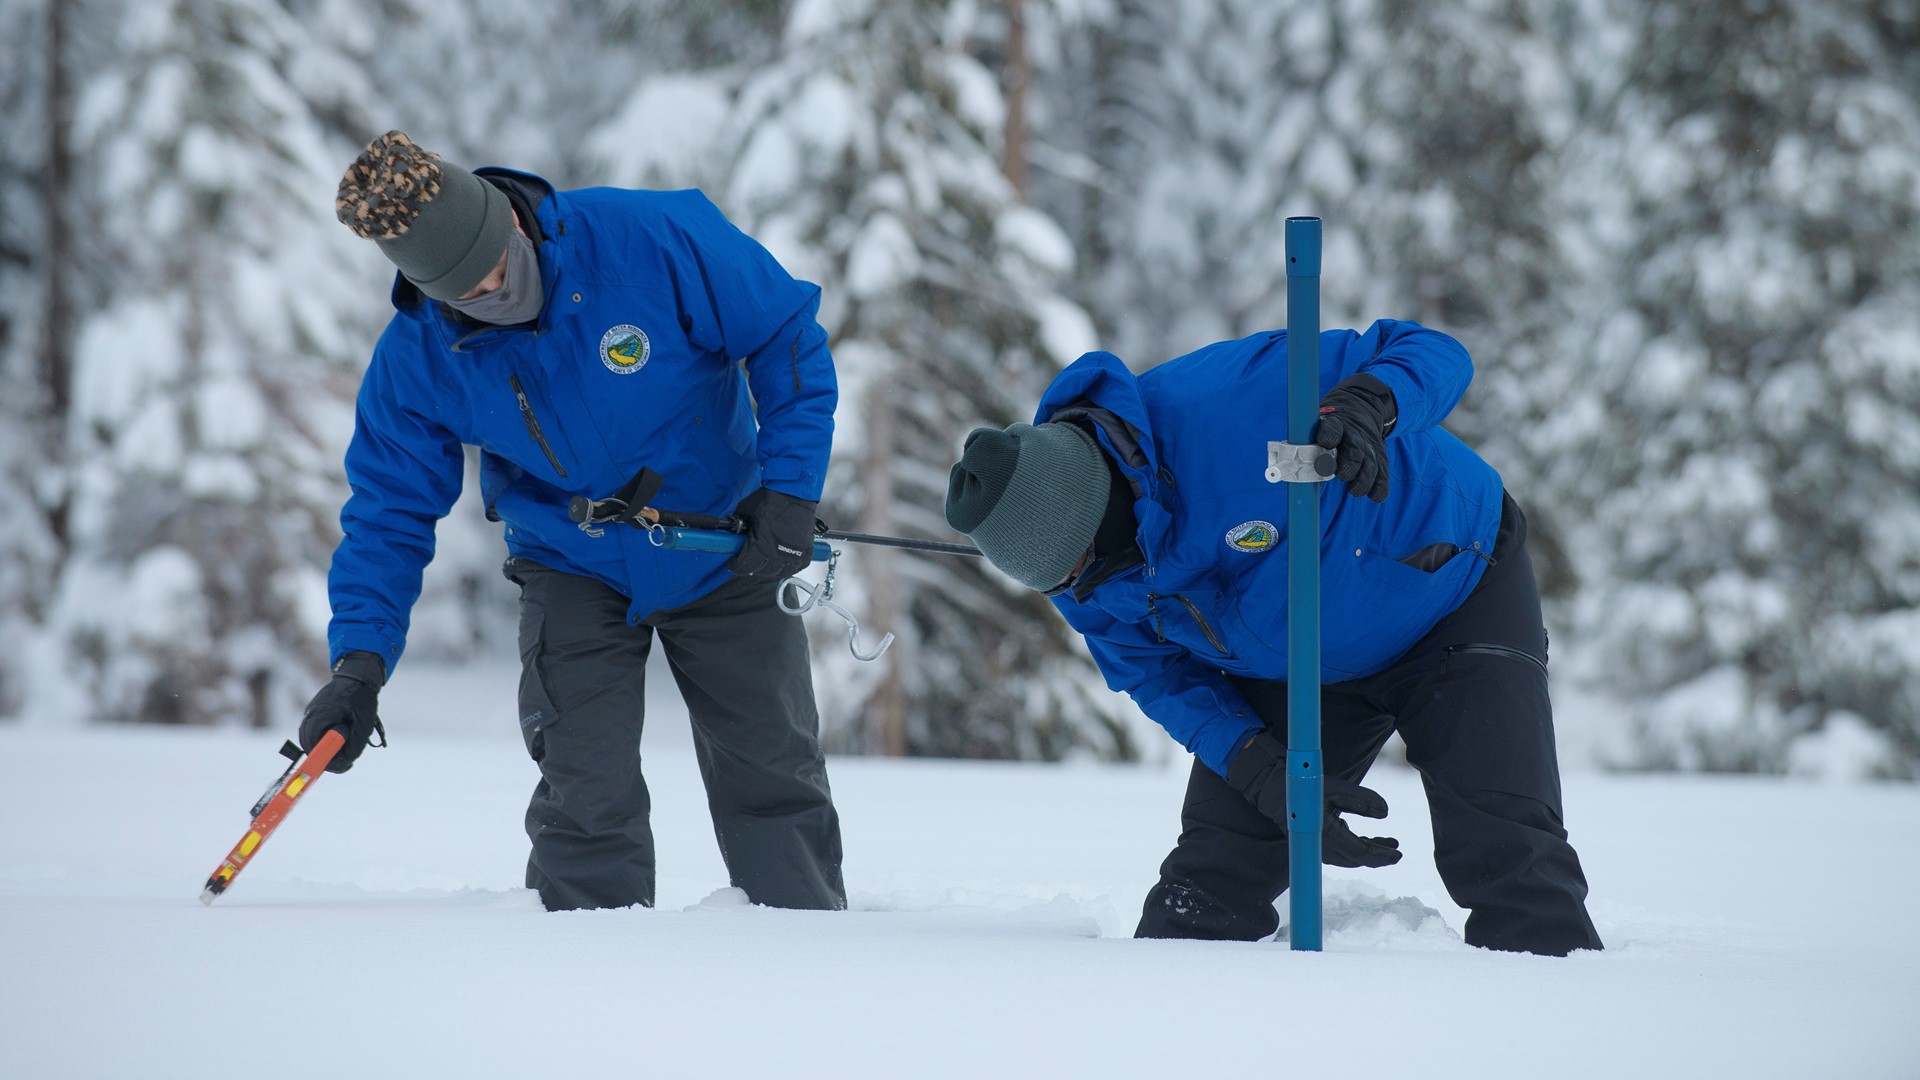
[{"x": 1678, "y": 236}]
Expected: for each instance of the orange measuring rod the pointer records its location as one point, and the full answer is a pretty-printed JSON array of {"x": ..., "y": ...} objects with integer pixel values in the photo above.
[{"x": 272, "y": 809}]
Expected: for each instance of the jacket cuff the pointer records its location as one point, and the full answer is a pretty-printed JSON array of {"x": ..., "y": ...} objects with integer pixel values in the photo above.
[
  {"x": 1249, "y": 754},
  {"x": 358, "y": 636},
  {"x": 1221, "y": 742},
  {"x": 1380, "y": 388},
  {"x": 362, "y": 666},
  {"x": 789, "y": 496},
  {"x": 804, "y": 487}
]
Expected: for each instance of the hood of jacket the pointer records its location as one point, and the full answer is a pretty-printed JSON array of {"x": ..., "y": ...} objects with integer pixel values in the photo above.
[{"x": 1098, "y": 389}]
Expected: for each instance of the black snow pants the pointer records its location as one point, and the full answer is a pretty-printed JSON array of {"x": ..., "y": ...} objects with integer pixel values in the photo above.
[
  {"x": 1470, "y": 701},
  {"x": 742, "y": 668}
]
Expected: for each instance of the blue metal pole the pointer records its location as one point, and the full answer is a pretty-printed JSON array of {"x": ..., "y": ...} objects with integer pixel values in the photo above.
[{"x": 1304, "y": 776}]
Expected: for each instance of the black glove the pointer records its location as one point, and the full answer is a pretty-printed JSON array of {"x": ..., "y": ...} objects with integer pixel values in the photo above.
[
  {"x": 1259, "y": 772},
  {"x": 348, "y": 703},
  {"x": 779, "y": 535},
  {"x": 1355, "y": 419}
]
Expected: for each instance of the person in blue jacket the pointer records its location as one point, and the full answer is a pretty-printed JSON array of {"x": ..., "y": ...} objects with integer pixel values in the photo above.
[
  {"x": 575, "y": 337},
  {"x": 1140, "y": 505}
]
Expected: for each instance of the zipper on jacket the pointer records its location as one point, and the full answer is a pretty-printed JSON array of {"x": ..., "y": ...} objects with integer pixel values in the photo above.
[
  {"x": 1508, "y": 651},
  {"x": 1424, "y": 559},
  {"x": 533, "y": 425},
  {"x": 1192, "y": 609}
]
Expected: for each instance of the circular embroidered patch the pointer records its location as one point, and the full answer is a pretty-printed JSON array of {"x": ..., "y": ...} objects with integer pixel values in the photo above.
[
  {"x": 625, "y": 349},
  {"x": 1252, "y": 536}
]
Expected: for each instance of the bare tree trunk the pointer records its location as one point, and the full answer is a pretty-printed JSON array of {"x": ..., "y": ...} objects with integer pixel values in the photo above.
[
  {"x": 56, "y": 348},
  {"x": 887, "y": 710},
  {"x": 1015, "y": 79}
]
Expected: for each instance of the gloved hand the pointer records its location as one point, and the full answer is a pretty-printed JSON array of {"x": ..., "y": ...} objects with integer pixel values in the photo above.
[
  {"x": 347, "y": 702},
  {"x": 779, "y": 535},
  {"x": 1259, "y": 772},
  {"x": 1355, "y": 418}
]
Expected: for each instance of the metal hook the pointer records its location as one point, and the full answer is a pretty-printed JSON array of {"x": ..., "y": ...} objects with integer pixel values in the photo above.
[
  {"x": 821, "y": 595},
  {"x": 800, "y": 588}
]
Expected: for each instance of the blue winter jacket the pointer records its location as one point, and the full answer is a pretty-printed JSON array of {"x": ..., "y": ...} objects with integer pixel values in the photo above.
[
  {"x": 1210, "y": 597},
  {"x": 652, "y": 298}
]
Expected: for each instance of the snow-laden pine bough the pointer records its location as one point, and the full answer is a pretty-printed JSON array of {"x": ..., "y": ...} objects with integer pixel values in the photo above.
[{"x": 680, "y": 531}]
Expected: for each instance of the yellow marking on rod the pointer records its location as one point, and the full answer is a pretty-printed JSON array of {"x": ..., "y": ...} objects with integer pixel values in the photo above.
[
  {"x": 246, "y": 846},
  {"x": 294, "y": 785}
]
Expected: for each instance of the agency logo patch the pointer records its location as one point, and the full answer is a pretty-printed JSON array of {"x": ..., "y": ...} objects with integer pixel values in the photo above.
[
  {"x": 1252, "y": 536},
  {"x": 625, "y": 349}
]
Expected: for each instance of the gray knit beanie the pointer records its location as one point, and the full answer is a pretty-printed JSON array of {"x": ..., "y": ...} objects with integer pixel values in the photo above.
[
  {"x": 444, "y": 227},
  {"x": 1030, "y": 497}
]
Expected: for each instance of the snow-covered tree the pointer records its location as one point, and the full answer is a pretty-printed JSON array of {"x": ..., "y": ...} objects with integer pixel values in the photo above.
[
  {"x": 27, "y": 549},
  {"x": 1677, "y": 238},
  {"x": 1415, "y": 131},
  {"x": 1177, "y": 140},
  {"x": 209, "y": 395},
  {"x": 1748, "y": 421},
  {"x": 866, "y": 156},
  {"x": 52, "y": 267},
  {"x": 1674, "y": 238}
]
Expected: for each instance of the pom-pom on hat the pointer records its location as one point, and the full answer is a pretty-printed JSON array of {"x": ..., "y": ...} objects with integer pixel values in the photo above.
[{"x": 443, "y": 227}]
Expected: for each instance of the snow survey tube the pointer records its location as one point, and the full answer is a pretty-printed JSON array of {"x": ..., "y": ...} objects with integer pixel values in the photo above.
[{"x": 677, "y": 538}]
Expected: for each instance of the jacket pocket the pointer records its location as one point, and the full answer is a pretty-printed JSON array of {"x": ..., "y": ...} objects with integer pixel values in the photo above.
[
  {"x": 533, "y": 425},
  {"x": 1437, "y": 555},
  {"x": 1162, "y": 606},
  {"x": 537, "y": 710},
  {"x": 1480, "y": 648},
  {"x": 1401, "y": 577}
]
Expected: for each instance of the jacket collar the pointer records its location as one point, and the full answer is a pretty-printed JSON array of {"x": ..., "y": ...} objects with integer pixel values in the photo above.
[
  {"x": 1099, "y": 390},
  {"x": 533, "y": 199}
]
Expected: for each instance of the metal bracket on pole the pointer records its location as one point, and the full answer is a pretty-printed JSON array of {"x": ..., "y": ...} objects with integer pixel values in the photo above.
[{"x": 1292, "y": 463}]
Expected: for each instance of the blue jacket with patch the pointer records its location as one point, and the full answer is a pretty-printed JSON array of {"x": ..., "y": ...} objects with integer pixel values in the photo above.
[
  {"x": 652, "y": 300},
  {"x": 1209, "y": 598}
]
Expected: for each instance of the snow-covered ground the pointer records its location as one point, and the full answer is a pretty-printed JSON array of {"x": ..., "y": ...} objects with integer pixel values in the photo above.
[{"x": 1758, "y": 928}]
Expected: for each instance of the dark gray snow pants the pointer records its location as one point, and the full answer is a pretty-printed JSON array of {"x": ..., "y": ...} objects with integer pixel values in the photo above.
[{"x": 742, "y": 668}]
